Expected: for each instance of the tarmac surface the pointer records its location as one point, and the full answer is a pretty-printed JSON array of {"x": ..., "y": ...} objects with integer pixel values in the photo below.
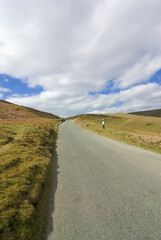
[{"x": 103, "y": 189}]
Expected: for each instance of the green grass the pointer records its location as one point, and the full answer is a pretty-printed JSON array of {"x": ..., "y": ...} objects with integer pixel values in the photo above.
[{"x": 144, "y": 132}]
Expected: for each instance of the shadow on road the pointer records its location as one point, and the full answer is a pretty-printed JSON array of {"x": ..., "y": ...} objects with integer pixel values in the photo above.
[{"x": 50, "y": 224}]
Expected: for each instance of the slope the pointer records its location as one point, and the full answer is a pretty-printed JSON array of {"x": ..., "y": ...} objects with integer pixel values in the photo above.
[
  {"x": 13, "y": 112},
  {"x": 136, "y": 130}
]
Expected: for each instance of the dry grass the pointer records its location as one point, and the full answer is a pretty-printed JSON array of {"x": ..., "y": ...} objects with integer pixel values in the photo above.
[
  {"x": 12, "y": 113},
  {"x": 27, "y": 143},
  {"x": 136, "y": 130}
]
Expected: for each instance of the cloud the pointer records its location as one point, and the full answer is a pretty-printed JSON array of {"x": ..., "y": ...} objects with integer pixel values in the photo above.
[
  {"x": 2, "y": 89},
  {"x": 139, "y": 97},
  {"x": 71, "y": 48},
  {"x": 140, "y": 72}
]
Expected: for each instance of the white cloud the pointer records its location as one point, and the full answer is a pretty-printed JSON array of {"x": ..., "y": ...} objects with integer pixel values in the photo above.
[
  {"x": 146, "y": 96},
  {"x": 71, "y": 48},
  {"x": 2, "y": 89},
  {"x": 140, "y": 72}
]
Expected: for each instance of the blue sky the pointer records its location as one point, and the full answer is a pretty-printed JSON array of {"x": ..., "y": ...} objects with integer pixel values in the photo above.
[
  {"x": 156, "y": 78},
  {"x": 16, "y": 86},
  {"x": 19, "y": 87},
  {"x": 81, "y": 57}
]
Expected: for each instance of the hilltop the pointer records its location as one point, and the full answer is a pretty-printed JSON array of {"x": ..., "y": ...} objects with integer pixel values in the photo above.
[{"x": 150, "y": 113}]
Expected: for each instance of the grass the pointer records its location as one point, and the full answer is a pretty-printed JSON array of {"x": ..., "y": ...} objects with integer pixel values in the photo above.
[
  {"x": 140, "y": 131},
  {"x": 26, "y": 158}
]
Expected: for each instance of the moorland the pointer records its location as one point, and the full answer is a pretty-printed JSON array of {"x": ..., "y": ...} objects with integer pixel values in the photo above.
[
  {"x": 27, "y": 152},
  {"x": 140, "y": 131}
]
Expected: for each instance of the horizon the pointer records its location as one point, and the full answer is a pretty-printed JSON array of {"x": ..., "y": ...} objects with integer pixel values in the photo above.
[
  {"x": 81, "y": 113},
  {"x": 81, "y": 57}
]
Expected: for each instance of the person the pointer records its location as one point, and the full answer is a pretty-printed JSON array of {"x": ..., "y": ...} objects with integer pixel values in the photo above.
[{"x": 103, "y": 123}]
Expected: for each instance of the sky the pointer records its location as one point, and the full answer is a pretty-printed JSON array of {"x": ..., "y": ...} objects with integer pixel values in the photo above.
[{"x": 87, "y": 56}]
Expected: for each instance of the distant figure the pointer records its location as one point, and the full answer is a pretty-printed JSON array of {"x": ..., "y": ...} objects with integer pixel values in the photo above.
[{"x": 103, "y": 123}]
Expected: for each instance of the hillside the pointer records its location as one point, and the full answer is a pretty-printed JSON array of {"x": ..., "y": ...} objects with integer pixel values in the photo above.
[
  {"x": 13, "y": 112},
  {"x": 136, "y": 130},
  {"x": 27, "y": 145},
  {"x": 150, "y": 113}
]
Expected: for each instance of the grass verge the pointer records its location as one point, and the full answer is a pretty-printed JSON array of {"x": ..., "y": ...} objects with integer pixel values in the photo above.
[
  {"x": 26, "y": 151},
  {"x": 140, "y": 131}
]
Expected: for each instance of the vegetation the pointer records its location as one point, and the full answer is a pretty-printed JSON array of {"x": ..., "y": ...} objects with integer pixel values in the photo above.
[
  {"x": 150, "y": 113},
  {"x": 27, "y": 141},
  {"x": 136, "y": 130}
]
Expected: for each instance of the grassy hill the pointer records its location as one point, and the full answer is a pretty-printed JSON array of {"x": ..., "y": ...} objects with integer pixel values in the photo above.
[
  {"x": 150, "y": 113},
  {"x": 136, "y": 130},
  {"x": 27, "y": 141},
  {"x": 12, "y": 112}
]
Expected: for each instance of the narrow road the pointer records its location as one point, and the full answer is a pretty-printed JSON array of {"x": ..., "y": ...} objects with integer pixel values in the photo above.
[{"x": 104, "y": 189}]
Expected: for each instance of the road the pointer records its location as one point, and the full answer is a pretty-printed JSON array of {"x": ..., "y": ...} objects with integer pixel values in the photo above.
[{"x": 103, "y": 189}]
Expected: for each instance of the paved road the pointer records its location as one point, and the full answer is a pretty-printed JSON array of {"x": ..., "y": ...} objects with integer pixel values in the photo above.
[{"x": 104, "y": 189}]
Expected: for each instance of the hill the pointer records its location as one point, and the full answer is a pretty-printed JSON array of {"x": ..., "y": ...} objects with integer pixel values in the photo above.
[
  {"x": 13, "y": 112},
  {"x": 151, "y": 113},
  {"x": 27, "y": 145},
  {"x": 141, "y": 131}
]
